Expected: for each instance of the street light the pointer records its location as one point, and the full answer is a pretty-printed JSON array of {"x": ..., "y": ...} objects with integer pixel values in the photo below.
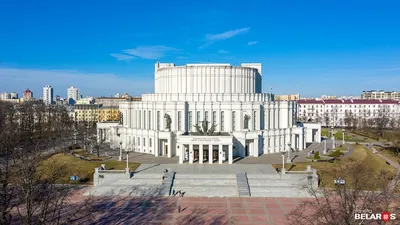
[
  {"x": 127, "y": 161},
  {"x": 324, "y": 146},
  {"x": 289, "y": 159},
  {"x": 120, "y": 151},
  {"x": 283, "y": 163},
  {"x": 343, "y": 135},
  {"x": 333, "y": 138}
]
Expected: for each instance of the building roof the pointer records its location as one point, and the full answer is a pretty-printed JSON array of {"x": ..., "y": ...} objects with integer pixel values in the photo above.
[{"x": 347, "y": 101}]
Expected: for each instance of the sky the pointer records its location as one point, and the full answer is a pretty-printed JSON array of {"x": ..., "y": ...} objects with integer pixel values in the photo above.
[{"x": 312, "y": 47}]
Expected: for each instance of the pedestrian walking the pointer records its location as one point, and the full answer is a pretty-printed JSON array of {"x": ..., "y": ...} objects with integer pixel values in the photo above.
[
  {"x": 173, "y": 192},
  {"x": 179, "y": 209}
]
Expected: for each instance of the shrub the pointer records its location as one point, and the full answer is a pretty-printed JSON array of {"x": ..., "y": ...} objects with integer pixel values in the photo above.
[{"x": 316, "y": 155}]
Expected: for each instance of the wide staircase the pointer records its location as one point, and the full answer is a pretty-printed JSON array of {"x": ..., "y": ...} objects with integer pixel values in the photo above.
[
  {"x": 206, "y": 185},
  {"x": 140, "y": 184},
  {"x": 276, "y": 185}
]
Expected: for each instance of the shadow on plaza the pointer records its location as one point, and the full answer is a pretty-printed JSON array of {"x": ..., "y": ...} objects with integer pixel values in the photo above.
[{"x": 145, "y": 207}]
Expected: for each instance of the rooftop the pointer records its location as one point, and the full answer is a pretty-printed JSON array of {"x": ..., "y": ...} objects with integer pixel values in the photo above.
[{"x": 347, "y": 101}]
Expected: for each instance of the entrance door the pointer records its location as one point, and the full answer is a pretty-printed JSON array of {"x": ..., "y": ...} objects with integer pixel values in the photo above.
[
  {"x": 196, "y": 155},
  {"x": 205, "y": 155},
  {"x": 215, "y": 155},
  {"x": 166, "y": 149},
  {"x": 247, "y": 150}
]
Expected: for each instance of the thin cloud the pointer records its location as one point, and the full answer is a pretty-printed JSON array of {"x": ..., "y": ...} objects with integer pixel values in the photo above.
[
  {"x": 94, "y": 84},
  {"x": 252, "y": 42},
  {"x": 150, "y": 52},
  {"x": 227, "y": 34},
  {"x": 212, "y": 38},
  {"x": 122, "y": 57},
  {"x": 222, "y": 52}
]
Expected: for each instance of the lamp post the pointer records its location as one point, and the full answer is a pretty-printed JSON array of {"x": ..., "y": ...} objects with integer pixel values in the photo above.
[
  {"x": 324, "y": 146},
  {"x": 289, "y": 159},
  {"x": 343, "y": 135},
  {"x": 127, "y": 160},
  {"x": 333, "y": 138},
  {"x": 283, "y": 163},
  {"x": 120, "y": 151}
]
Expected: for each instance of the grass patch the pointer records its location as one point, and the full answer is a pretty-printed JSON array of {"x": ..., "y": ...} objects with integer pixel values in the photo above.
[
  {"x": 83, "y": 153},
  {"x": 82, "y": 168},
  {"x": 360, "y": 153},
  {"x": 348, "y": 136},
  {"x": 389, "y": 154}
]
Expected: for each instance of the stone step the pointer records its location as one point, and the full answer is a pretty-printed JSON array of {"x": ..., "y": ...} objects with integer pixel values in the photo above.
[
  {"x": 204, "y": 182},
  {"x": 205, "y": 176},
  {"x": 209, "y": 192},
  {"x": 243, "y": 185}
]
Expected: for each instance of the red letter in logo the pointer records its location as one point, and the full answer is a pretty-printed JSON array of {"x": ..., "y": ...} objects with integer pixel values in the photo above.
[{"x": 386, "y": 216}]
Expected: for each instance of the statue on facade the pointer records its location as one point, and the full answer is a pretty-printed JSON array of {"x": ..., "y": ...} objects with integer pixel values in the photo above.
[
  {"x": 246, "y": 121},
  {"x": 168, "y": 121},
  {"x": 121, "y": 118},
  {"x": 204, "y": 130}
]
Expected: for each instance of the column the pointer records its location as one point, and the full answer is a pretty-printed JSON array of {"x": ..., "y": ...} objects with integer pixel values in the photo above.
[
  {"x": 156, "y": 147},
  {"x": 201, "y": 154},
  {"x": 301, "y": 140},
  {"x": 191, "y": 154},
  {"x": 256, "y": 147},
  {"x": 294, "y": 145},
  {"x": 230, "y": 155},
  {"x": 169, "y": 147},
  {"x": 210, "y": 155},
  {"x": 220, "y": 150},
  {"x": 182, "y": 153}
]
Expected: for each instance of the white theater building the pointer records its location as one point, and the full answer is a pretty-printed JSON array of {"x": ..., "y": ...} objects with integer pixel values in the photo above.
[{"x": 242, "y": 121}]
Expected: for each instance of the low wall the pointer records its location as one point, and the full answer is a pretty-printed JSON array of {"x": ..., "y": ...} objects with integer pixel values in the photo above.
[{"x": 103, "y": 176}]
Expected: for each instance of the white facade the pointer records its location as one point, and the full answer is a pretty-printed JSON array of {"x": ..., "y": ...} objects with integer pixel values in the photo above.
[
  {"x": 334, "y": 111},
  {"x": 5, "y": 95},
  {"x": 47, "y": 95},
  {"x": 162, "y": 123},
  {"x": 73, "y": 93}
]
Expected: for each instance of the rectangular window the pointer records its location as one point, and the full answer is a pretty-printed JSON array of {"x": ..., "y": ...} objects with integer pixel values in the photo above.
[
  {"x": 214, "y": 120},
  {"x": 254, "y": 120},
  {"x": 190, "y": 121},
  {"x": 140, "y": 119},
  {"x": 206, "y": 115},
  {"x": 179, "y": 120},
  {"x": 149, "y": 119},
  {"x": 138, "y": 141},
  {"x": 144, "y": 119},
  {"x": 233, "y": 120},
  {"x": 158, "y": 120},
  {"x": 144, "y": 142},
  {"x": 150, "y": 145},
  {"x": 198, "y": 117},
  {"x": 222, "y": 121}
]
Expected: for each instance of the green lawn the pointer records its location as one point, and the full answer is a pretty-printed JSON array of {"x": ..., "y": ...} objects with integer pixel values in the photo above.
[
  {"x": 389, "y": 154},
  {"x": 348, "y": 136},
  {"x": 82, "y": 168},
  {"x": 324, "y": 168}
]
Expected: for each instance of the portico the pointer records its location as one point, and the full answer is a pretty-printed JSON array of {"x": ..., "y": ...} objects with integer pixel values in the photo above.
[{"x": 205, "y": 149}]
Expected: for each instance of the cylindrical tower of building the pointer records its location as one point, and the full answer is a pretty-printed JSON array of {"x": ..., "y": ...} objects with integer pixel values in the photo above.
[{"x": 208, "y": 78}]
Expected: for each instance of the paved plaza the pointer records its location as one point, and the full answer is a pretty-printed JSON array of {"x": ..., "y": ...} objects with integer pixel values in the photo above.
[{"x": 218, "y": 211}]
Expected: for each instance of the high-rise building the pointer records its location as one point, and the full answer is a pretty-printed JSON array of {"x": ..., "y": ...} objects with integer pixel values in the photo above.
[
  {"x": 47, "y": 95},
  {"x": 5, "y": 95},
  {"x": 73, "y": 94},
  {"x": 28, "y": 95},
  {"x": 14, "y": 95},
  {"x": 380, "y": 95}
]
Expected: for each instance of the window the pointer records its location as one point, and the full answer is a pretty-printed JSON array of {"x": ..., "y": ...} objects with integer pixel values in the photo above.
[
  {"x": 179, "y": 120},
  {"x": 158, "y": 120},
  {"x": 144, "y": 119},
  {"x": 149, "y": 119},
  {"x": 254, "y": 120},
  {"x": 233, "y": 120},
  {"x": 144, "y": 142},
  {"x": 198, "y": 117},
  {"x": 214, "y": 120},
  {"x": 222, "y": 121},
  {"x": 190, "y": 120},
  {"x": 206, "y": 115},
  {"x": 140, "y": 119},
  {"x": 150, "y": 145},
  {"x": 138, "y": 141}
]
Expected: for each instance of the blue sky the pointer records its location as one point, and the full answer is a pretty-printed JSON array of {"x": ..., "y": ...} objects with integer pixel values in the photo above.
[{"x": 311, "y": 47}]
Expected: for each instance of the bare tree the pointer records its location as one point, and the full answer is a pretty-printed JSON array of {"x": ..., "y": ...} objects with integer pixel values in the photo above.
[
  {"x": 364, "y": 190},
  {"x": 381, "y": 122},
  {"x": 29, "y": 191},
  {"x": 348, "y": 120},
  {"x": 326, "y": 119}
]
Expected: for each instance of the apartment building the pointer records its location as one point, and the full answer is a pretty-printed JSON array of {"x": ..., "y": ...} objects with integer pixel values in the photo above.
[{"x": 394, "y": 95}]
